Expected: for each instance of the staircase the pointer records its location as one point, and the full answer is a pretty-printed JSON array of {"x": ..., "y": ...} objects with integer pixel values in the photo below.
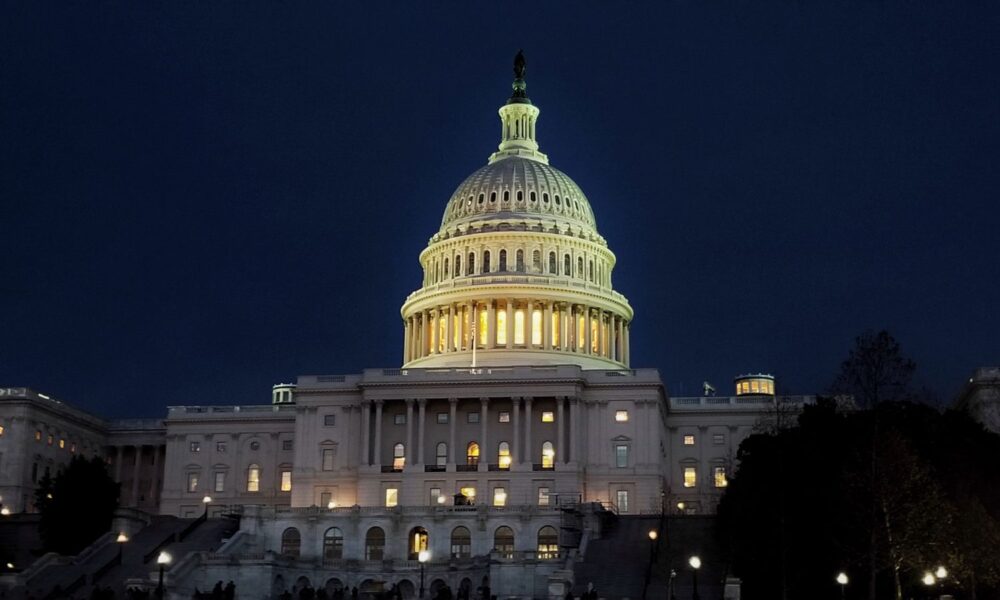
[
  {"x": 688, "y": 536},
  {"x": 616, "y": 563}
]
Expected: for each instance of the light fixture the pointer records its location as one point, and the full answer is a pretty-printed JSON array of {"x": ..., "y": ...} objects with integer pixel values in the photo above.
[
  {"x": 680, "y": 506},
  {"x": 4, "y": 511},
  {"x": 206, "y": 499},
  {"x": 928, "y": 578},
  {"x": 440, "y": 499},
  {"x": 842, "y": 578},
  {"x": 695, "y": 562},
  {"x": 122, "y": 538},
  {"x": 164, "y": 558},
  {"x": 652, "y": 534},
  {"x": 10, "y": 566},
  {"x": 332, "y": 504},
  {"x": 941, "y": 572},
  {"x": 424, "y": 556}
]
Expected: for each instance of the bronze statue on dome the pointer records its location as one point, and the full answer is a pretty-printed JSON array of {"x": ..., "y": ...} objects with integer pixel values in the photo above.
[{"x": 519, "y": 65}]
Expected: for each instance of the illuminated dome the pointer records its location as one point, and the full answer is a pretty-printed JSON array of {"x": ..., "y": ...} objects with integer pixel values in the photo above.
[{"x": 517, "y": 274}]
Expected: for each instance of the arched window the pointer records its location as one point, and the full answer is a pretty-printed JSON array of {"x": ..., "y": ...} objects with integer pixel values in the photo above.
[
  {"x": 418, "y": 542},
  {"x": 493, "y": 197},
  {"x": 548, "y": 455},
  {"x": 253, "y": 477},
  {"x": 291, "y": 542},
  {"x": 503, "y": 455},
  {"x": 486, "y": 261},
  {"x": 481, "y": 198},
  {"x": 503, "y": 542},
  {"x": 458, "y": 265},
  {"x": 552, "y": 263},
  {"x": 536, "y": 261},
  {"x": 503, "y": 261},
  {"x": 506, "y": 195},
  {"x": 591, "y": 271},
  {"x": 472, "y": 454},
  {"x": 520, "y": 196},
  {"x": 461, "y": 543},
  {"x": 579, "y": 267},
  {"x": 533, "y": 198},
  {"x": 545, "y": 197},
  {"x": 398, "y": 457},
  {"x": 333, "y": 545},
  {"x": 558, "y": 203},
  {"x": 375, "y": 544},
  {"x": 441, "y": 454},
  {"x": 548, "y": 543},
  {"x": 519, "y": 261},
  {"x": 567, "y": 266},
  {"x": 470, "y": 267},
  {"x": 446, "y": 268}
]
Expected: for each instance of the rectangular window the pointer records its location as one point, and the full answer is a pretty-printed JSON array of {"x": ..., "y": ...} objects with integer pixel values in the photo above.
[
  {"x": 689, "y": 440},
  {"x": 555, "y": 329},
  {"x": 253, "y": 479},
  {"x": 621, "y": 497},
  {"x": 399, "y": 419},
  {"x": 621, "y": 416},
  {"x": 481, "y": 335},
  {"x": 325, "y": 498},
  {"x": 499, "y": 496},
  {"x": 502, "y": 327},
  {"x": 192, "y": 482},
  {"x": 327, "y": 459},
  {"x": 543, "y": 496},
  {"x": 504, "y": 416},
  {"x": 287, "y": 445},
  {"x": 719, "y": 475},
  {"x": 536, "y": 328},
  {"x": 72, "y": 447},
  {"x": 690, "y": 477},
  {"x": 436, "y": 497},
  {"x": 718, "y": 439},
  {"x": 473, "y": 417},
  {"x": 286, "y": 481},
  {"x": 469, "y": 492},
  {"x": 38, "y": 436},
  {"x": 195, "y": 446},
  {"x": 220, "y": 481},
  {"x": 621, "y": 456},
  {"x": 220, "y": 447},
  {"x": 62, "y": 443},
  {"x": 442, "y": 418},
  {"x": 329, "y": 420},
  {"x": 548, "y": 416},
  {"x": 519, "y": 327},
  {"x": 391, "y": 497}
]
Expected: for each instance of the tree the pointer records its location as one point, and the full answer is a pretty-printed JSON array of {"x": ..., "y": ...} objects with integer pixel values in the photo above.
[{"x": 76, "y": 506}]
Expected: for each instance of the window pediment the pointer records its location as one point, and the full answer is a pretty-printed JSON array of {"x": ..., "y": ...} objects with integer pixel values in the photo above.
[{"x": 621, "y": 438}]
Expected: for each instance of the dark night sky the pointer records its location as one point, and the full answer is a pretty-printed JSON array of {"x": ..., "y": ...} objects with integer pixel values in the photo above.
[{"x": 202, "y": 199}]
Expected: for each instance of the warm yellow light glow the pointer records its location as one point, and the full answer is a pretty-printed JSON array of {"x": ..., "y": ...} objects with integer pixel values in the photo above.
[
  {"x": 504, "y": 456},
  {"x": 548, "y": 455},
  {"x": 4, "y": 511},
  {"x": 499, "y": 497},
  {"x": 690, "y": 477},
  {"x": 842, "y": 578},
  {"x": 442, "y": 332},
  {"x": 502, "y": 327},
  {"x": 206, "y": 499},
  {"x": 440, "y": 500},
  {"x": 581, "y": 331},
  {"x": 556, "y": 319},
  {"x": 928, "y": 578},
  {"x": 621, "y": 416},
  {"x": 518, "y": 326},
  {"x": 122, "y": 538},
  {"x": 594, "y": 339},
  {"x": 424, "y": 556},
  {"x": 941, "y": 572},
  {"x": 481, "y": 334},
  {"x": 548, "y": 416},
  {"x": 332, "y": 504},
  {"x": 472, "y": 454},
  {"x": 689, "y": 440},
  {"x": 720, "y": 477},
  {"x": 695, "y": 562},
  {"x": 536, "y": 327},
  {"x": 253, "y": 479},
  {"x": 286, "y": 481},
  {"x": 468, "y": 492},
  {"x": 420, "y": 541},
  {"x": 653, "y": 535},
  {"x": 680, "y": 506},
  {"x": 164, "y": 558},
  {"x": 456, "y": 330},
  {"x": 391, "y": 497}
]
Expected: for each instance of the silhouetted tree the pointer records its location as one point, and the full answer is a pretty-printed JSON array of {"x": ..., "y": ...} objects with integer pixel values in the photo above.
[{"x": 76, "y": 505}]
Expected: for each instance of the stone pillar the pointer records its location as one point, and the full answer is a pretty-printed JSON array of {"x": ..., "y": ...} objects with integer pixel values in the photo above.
[
  {"x": 449, "y": 328},
  {"x": 587, "y": 331},
  {"x": 564, "y": 334},
  {"x": 527, "y": 430},
  {"x": 422, "y": 403},
  {"x": 119, "y": 455},
  {"x": 529, "y": 325},
  {"x": 406, "y": 341},
  {"x": 561, "y": 427},
  {"x": 377, "y": 455},
  {"x": 516, "y": 448},
  {"x": 510, "y": 323},
  {"x": 409, "y": 432},
  {"x": 626, "y": 345},
  {"x": 135, "y": 476},
  {"x": 152, "y": 479},
  {"x": 547, "y": 321},
  {"x": 366, "y": 416},
  {"x": 434, "y": 331},
  {"x": 484, "y": 445},
  {"x": 452, "y": 413},
  {"x": 613, "y": 352},
  {"x": 575, "y": 405}
]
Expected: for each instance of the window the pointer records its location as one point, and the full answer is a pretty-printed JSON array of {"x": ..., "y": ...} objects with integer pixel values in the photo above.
[
  {"x": 398, "y": 457},
  {"x": 552, "y": 263},
  {"x": 536, "y": 327},
  {"x": 548, "y": 455},
  {"x": 441, "y": 454},
  {"x": 435, "y": 494},
  {"x": 327, "y": 459},
  {"x": 38, "y": 435},
  {"x": 325, "y": 498},
  {"x": 621, "y": 416},
  {"x": 286, "y": 481},
  {"x": 621, "y": 456},
  {"x": 458, "y": 265},
  {"x": 329, "y": 420},
  {"x": 690, "y": 477},
  {"x": 374, "y": 544},
  {"x": 719, "y": 477},
  {"x": 519, "y": 261},
  {"x": 470, "y": 266},
  {"x": 51, "y": 439},
  {"x": 418, "y": 542},
  {"x": 469, "y": 493},
  {"x": 567, "y": 268},
  {"x": 502, "y": 327},
  {"x": 548, "y": 543},
  {"x": 502, "y": 266},
  {"x": 472, "y": 417},
  {"x": 621, "y": 499},
  {"x": 579, "y": 267},
  {"x": 220, "y": 481},
  {"x": 503, "y": 542},
  {"x": 333, "y": 545},
  {"x": 499, "y": 496},
  {"x": 548, "y": 416},
  {"x": 543, "y": 496},
  {"x": 486, "y": 261},
  {"x": 556, "y": 317},
  {"x": 718, "y": 439},
  {"x": 399, "y": 419},
  {"x": 519, "y": 326},
  {"x": 472, "y": 454},
  {"x": 391, "y": 497},
  {"x": 253, "y": 478},
  {"x": 461, "y": 543},
  {"x": 291, "y": 542},
  {"x": 287, "y": 445},
  {"x": 220, "y": 447},
  {"x": 195, "y": 446},
  {"x": 504, "y": 416},
  {"x": 192, "y": 482},
  {"x": 442, "y": 418},
  {"x": 503, "y": 455},
  {"x": 62, "y": 443},
  {"x": 689, "y": 440}
]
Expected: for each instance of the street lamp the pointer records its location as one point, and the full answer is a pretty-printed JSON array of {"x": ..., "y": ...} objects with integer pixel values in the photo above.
[
  {"x": 162, "y": 560},
  {"x": 842, "y": 580},
  {"x": 695, "y": 563},
  {"x": 422, "y": 556},
  {"x": 206, "y": 501},
  {"x": 941, "y": 572},
  {"x": 332, "y": 504},
  {"x": 121, "y": 539},
  {"x": 653, "y": 534},
  {"x": 5, "y": 511}
]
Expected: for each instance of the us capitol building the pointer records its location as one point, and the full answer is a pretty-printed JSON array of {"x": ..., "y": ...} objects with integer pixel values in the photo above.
[{"x": 513, "y": 427}]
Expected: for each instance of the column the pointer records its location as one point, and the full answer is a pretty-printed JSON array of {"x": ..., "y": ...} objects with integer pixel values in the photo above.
[
  {"x": 152, "y": 479},
  {"x": 587, "y": 332},
  {"x": 470, "y": 322},
  {"x": 377, "y": 455},
  {"x": 510, "y": 323},
  {"x": 366, "y": 416},
  {"x": 574, "y": 430},
  {"x": 625, "y": 345},
  {"x": 564, "y": 333},
  {"x": 527, "y": 430},
  {"x": 135, "y": 476},
  {"x": 452, "y": 413},
  {"x": 613, "y": 352},
  {"x": 602, "y": 332},
  {"x": 529, "y": 325},
  {"x": 449, "y": 328},
  {"x": 434, "y": 331},
  {"x": 422, "y": 403},
  {"x": 119, "y": 455},
  {"x": 406, "y": 341},
  {"x": 561, "y": 427},
  {"x": 516, "y": 448},
  {"x": 409, "y": 432},
  {"x": 491, "y": 326},
  {"x": 485, "y": 453},
  {"x": 547, "y": 326}
]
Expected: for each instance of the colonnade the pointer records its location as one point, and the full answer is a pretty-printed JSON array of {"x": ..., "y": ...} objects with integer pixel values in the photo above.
[
  {"x": 521, "y": 324},
  {"x": 157, "y": 454}
]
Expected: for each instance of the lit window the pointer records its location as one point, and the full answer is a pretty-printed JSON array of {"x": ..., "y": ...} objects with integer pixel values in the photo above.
[
  {"x": 472, "y": 417},
  {"x": 220, "y": 481},
  {"x": 518, "y": 326},
  {"x": 220, "y": 447},
  {"x": 327, "y": 459},
  {"x": 594, "y": 336},
  {"x": 581, "y": 327},
  {"x": 435, "y": 494},
  {"x": 469, "y": 493},
  {"x": 442, "y": 332},
  {"x": 502, "y": 327},
  {"x": 398, "y": 457},
  {"x": 621, "y": 497},
  {"x": 555, "y": 328},
  {"x": 399, "y": 419},
  {"x": 718, "y": 439},
  {"x": 472, "y": 454},
  {"x": 543, "y": 496},
  {"x": 442, "y": 418},
  {"x": 548, "y": 416},
  {"x": 253, "y": 478},
  {"x": 719, "y": 475},
  {"x": 689, "y": 440},
  {"x": 503, "y": 457},
  {"x": 548, "y": 543},
  {"x": 499, "y": 496},
  {"x": 690, "y": 477},
  {"x": 621, "y": 456},
  {"x": 536, "y": 327},
  {"x": 192, "y": 482},
  {"x": 62, "y": 443},
  {"x": 195, "y": 446},
  {"x": 504, "y": 416},
  {"x": 38, "y": 436},
  {"x": 1, "y": 430},
  {"x": 481, "y": 334},
  {"x": 441, "y": 454},
  {"x": 548, "y": 455},
  {"x": 329, "y": 420},
  {"x": 391, "y": 497},
  {"x": 286, "y": 481},
  {"x": 621, "y": 416}
]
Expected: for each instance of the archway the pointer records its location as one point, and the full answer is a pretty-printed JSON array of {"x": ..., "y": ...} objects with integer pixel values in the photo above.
[
  {"x": 407, "y": 589},
  {"x": 436, "y": 586},
  {"x": 291, "y": 542},
  {"x": 300, "y": 584},
  {"x": 334, "y": 587},
  {"x": 418, "y": 541}
]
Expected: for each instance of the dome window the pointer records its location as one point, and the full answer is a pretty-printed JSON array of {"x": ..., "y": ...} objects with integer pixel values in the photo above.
[
  {"x": 519, "y": 261},
  {"x": 579, "y": 267},
  {"x": 552, "y": 263},
  {"x": 558, "y": 203},
  {"x": 493, "y": 197},
  {"x": 446, "y": 268},
  {"x": 536, "y": 261},
  {"x": 533, "y": 198},
  {"x": 545, "y": 198},
  {"x": 486, "y": 261},
  {"x": 506, "y": 196},
  {"x": 502, "y": 266},
  {"x": 469, "y": 202},
  {"x": 567, "y": 266},
  {"x": 520, "y": 196},
  {"x": 481, "y": 198}
]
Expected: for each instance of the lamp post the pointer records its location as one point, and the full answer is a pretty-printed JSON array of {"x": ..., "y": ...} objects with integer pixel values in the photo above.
[
  {"x": 121, "y": 539},
  {"x": 929, "y": 580},
  {"x": 653, "y": 534},
  {"x": 695, "y": 563},
  {"x": 422, "y": 556},
  {"x": 206, "y": 501},
  {"x": 162, "y": 560},
  {"x": 941, "y": 574},
  {"x": 842, "y": 580}
]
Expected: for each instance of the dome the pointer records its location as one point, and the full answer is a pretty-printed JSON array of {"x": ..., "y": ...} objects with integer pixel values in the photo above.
[{"x": 516, "y": 186}]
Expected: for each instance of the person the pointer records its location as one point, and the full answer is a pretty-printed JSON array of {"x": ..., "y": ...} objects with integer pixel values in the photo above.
[
  {"x": 569, "y": 594},
  {"x": 354, "y": 593},
  {"x": 229, "y": 592},
  {"x": 217, "y": 591}
]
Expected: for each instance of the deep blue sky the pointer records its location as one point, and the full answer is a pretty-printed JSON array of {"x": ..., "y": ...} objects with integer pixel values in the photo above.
[{"x": 201, "y": 199}]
